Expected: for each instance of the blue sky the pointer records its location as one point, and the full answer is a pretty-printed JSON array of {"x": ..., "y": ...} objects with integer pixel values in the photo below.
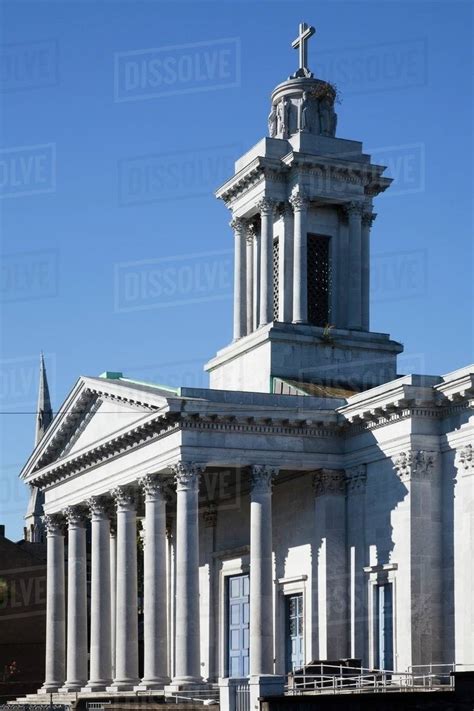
[{"x": 107, "y": 175}]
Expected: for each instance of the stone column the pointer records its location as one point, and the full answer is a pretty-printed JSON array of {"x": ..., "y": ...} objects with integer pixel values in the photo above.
[
  {"x": 240, "y": 307},
  {"x": 250, "y": 278},
  {"x": 113, "y": 590},
  {"x": 261, "y": 571},
  {"x": 55, "y": 605},
  {"x": 330, "y": 558},
  {"x": 354, "y": 210},
  {"x": 299, "y": 204},
  {"x": 126, "y": 634},
  {"x": 267, "y": 211},
  {"x": 256, "y": 280},
  {"x": 285, "y": 304},
  {"x": 76, "y": 675},
  {"x": 187, "y": 644},
  {"x": 100, "y": 672},
  {"x": 459, "y": 632},
  {"x": 358, "y": 559},
  {"x": 367, "y": 220},
  {"x": 154, "y": 564}
]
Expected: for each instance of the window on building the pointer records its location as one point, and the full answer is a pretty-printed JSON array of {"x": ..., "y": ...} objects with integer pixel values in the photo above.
[
  {"x": 319, "y": 280},
  {"x": 294, "y": 632}
]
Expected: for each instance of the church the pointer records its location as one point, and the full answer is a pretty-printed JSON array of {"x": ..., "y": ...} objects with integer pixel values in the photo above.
[{"x": 311, "y": 504}]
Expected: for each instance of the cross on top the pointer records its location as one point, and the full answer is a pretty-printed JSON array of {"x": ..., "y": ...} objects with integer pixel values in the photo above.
[{"x": 300, "y": 43}]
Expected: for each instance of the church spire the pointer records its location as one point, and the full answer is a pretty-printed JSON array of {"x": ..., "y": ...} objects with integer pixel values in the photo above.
[{"x": 44, "y": 412}]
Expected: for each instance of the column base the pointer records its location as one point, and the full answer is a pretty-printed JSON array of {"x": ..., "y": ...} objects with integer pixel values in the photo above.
[
  {"x": 71, "y": 687},
  {"x": 265, "y": 685},
  {"x": 152, "y": 684},
  {"x": 93, "y": 686},
  {"x": 126, "y": 685},
  {"x": 51, "y": 688},
  {"x": 185, "y": 684}
]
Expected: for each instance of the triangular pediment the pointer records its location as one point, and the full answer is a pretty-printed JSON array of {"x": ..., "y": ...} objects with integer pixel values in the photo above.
[{"x": 96, "y": 410}]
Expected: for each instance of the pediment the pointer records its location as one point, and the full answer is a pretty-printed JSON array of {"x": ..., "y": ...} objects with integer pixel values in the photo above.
[{"x": 95, "y": 411}]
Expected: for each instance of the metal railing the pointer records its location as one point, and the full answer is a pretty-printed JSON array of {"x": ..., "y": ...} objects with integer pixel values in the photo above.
[
  {"x": 242, "y": 696},
  {"x": 341, "y": 679}
]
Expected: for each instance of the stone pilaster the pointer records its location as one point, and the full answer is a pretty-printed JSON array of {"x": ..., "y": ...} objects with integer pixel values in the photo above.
[
  {"x": 419, "y": 581},
  {"x": 463, "y": 546},
  {"x": 355, "y": 210},
  {"x": 299, "y": 203},
  {"x": 100, "y": 673},
  {"x": 261, "y": 570},
  {"x": 187, "y": 635},
  {"x": 357, "y": 556},
  {"x": 267, "y": 208},
  {"x": 330, "y": 542},
  {"x": 126, "y": 635},
  {"x": 250, "y": 272},
  {"x": 55, "y": 605},
  {"x": 367, "y": 221},
  {"x": 76, "y": 674},
  {"x": 155, "y": 600},
  {"x": 285, "y": 278},
  {"x": 240, "y": 288}
]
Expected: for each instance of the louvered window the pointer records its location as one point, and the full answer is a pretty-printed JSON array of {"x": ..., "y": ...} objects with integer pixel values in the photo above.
[{"x": 319, "y": 280}]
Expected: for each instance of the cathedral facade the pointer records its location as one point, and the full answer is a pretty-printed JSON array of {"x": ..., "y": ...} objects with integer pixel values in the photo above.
[{"x": 312, "y": 503}]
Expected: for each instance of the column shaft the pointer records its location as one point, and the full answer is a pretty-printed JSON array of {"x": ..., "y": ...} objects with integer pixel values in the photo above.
[
  {"x": 113, "y": 599},
  {"x": 256, "y": 281},
  {"x": 55, "y": 606},
  {"x": 187, "y": 647},
  {"x": 240, "y": 307},
  {"x": 261, "y": 572},
  {"x": 367, "y": 219},
  {"x": 100, "y": 672},
  {"x": 266, "y": 208},
  {"x": 76, "y": 675},
  {"x": 126, "y": 634},
  {"x": 155, "y": 581},
  {"x": 355, "y": 261},
  {"x": 250, "y": 277},
  {"x": 300, "y": 259},
  {"x": 285, "y": 302}
]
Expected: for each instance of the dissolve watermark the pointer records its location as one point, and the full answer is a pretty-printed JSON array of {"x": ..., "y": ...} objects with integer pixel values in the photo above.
[
  {"x": 29, "y": 65},
  {"x": 174, "y": 175},
  {"x": 378, "y": 67},
  {"x": 406, "y": 165},
  {"x": 19, "y": 381},
  {"x": 178, "y": 69},
  {"x": 27, "y": 170},
  {"x": 173, "y": 281},
  {"x": 399, "y": 275},
  {"x": 28, "y": 276},
  {"x": 22, "y": 592},
  {"x": 176, "y": 373}
]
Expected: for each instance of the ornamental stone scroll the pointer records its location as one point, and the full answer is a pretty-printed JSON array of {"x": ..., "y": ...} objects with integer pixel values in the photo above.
[
  {"x": 329, "y": 481},
  {"x": 262, "y": 476}
]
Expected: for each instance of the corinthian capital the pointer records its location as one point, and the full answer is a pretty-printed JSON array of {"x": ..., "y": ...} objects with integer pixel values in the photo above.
[
  {"x": 267, "y": 206},
  {"x": 237, "y": 224},
  {"x": 99, "y": 507},
  {"x": 414, "y": 464},
  {"x": 329, "y": 481},
  {"x": 75, "y": 516},
  {"x": 354, "y": 208},
  {"x": 356, "y": 478},
  {"x": 261, "y": 477},
  {"x": 368, "y": 218},
  {"x": 54, "y": 524},
  {"x": 152, "y": 486},
  {"x": 124, "y": 497},
  {"x": 187, "y": 475},
  {"x": 298, "y": 200},
  {"x": 465, "y": 459}
]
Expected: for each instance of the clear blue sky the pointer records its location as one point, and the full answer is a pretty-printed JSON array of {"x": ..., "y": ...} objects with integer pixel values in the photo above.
[{"x": 76, "y": 207}]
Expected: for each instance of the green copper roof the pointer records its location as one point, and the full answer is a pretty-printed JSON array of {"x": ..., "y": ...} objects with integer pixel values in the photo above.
[{"x": 111, "y": 375}]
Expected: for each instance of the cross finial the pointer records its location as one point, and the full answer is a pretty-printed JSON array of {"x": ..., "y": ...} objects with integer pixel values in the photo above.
[{"x": 300, "y": 43}]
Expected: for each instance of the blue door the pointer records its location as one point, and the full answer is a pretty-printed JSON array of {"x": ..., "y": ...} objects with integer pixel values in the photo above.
[
  {"x": 238, "y": 625},
  {"x": 294, "y": 632},
  {"x": 384, "y": 625}
]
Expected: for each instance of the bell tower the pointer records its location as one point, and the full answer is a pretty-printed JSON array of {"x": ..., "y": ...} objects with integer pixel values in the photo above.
[{"x": 302, "y": 209}]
